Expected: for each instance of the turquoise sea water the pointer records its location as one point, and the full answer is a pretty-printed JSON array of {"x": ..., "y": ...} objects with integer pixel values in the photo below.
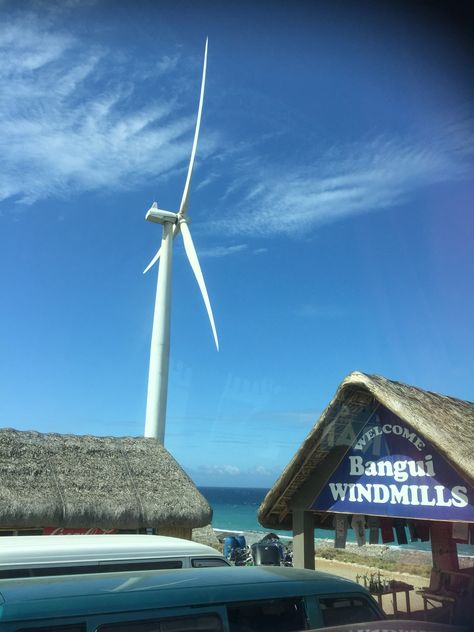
[{"x": 235, "y": 509}]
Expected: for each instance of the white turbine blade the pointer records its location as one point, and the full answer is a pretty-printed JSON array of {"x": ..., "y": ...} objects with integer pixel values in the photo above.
[
  {"x": 176, "y": 230},
  {"x": 184, "y": 200},
  {"x": 193, "y": 260},
  {"x": 153, "y": 261}
]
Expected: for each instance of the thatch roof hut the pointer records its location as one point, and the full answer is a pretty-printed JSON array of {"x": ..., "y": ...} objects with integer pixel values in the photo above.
[
  {"x": 87, "y": 481},
  {"x": 446, "y": 422}
]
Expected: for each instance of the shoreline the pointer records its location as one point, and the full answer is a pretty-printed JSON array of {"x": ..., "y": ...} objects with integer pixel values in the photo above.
[
  {"x": 394, "y": 552},
  {"x": 324, "y": 549}
]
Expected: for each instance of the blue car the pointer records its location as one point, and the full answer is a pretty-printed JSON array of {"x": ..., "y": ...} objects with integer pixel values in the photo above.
[{"x": 219, "y": 599}]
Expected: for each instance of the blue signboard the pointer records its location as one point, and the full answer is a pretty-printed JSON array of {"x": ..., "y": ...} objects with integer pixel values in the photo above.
[{"x": 391, "y": 471}]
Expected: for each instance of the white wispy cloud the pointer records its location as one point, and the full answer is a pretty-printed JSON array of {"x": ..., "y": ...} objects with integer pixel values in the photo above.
[
  {"x": 59, "y": 132},
  {"x": 167, "y": 63},
  {"x": 264, "y": 471},
  {"x": 234, "y": 471},
  {"x": 221, "y": 251},
  {"x": 346, "y": 180},
  {"x": 231, "y": 470},
  {"x": 72, "y": 119},
  {"x": 212, "y": 177}
]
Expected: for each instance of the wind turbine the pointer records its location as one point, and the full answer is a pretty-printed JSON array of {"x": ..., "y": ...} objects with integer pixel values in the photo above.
[{"x": 173, "y": 224}]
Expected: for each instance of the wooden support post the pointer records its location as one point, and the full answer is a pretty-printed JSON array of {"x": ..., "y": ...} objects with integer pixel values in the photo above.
[
  {"x": 303, "y": 539},
  {"x": 443, "y": 547}
]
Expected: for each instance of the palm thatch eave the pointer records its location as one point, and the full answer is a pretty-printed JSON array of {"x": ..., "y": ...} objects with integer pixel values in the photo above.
[
  {"x": 87, "y": 481},
  {"x": 447, "y": 422}
]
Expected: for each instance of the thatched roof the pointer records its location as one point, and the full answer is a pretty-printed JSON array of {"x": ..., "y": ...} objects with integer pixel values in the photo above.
[
  {"x": 86, "y": 481},
  {"x": 446, "y": 422}
]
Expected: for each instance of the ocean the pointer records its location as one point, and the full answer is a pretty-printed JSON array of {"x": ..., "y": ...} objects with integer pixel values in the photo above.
[{"x": 235, "y": 509}]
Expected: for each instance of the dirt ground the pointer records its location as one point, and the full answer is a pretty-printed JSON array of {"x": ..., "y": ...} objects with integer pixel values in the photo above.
[{"x": 351, "y": 571}]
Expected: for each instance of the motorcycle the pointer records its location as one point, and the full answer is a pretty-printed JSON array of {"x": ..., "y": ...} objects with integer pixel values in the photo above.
[{"x": 241, "y": 556}]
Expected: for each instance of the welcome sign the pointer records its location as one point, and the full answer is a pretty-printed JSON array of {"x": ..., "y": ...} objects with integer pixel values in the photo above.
[{"x": 391, "y": 471}]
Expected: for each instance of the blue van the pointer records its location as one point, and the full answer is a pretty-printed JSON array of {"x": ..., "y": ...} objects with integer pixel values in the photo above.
[{"x": 218, "y": 599}]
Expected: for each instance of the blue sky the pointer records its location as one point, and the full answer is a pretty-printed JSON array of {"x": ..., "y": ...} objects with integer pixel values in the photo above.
[{"x": 332, "y": 205}]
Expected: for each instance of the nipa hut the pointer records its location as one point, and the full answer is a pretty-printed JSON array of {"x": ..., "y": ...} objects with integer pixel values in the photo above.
[
  {"x": 384, "y": 456},
  {"x": 127, "y": 484}
]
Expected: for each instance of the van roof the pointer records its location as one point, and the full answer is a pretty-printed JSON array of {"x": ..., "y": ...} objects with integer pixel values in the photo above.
[
  {"x": 140, "y": 590},
  {"x": 38, "y": 550}
]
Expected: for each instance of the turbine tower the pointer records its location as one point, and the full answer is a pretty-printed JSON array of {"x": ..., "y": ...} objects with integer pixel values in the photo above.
[{"x": 173, "y": 224}]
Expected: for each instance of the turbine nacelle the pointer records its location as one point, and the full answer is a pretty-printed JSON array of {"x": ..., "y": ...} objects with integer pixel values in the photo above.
[{"x": 158, "y": 216}]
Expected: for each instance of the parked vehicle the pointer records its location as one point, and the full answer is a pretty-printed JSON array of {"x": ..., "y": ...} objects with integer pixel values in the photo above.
[
  {"x": 226, "y": 599},
  {"x": 37, "y": 555},
  {"x": 269, "y": 551},
  {"x": 241, "y": 556}
]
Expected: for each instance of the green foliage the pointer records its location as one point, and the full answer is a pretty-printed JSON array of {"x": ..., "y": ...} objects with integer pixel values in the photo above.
[{"x": 342, "y": 555}]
